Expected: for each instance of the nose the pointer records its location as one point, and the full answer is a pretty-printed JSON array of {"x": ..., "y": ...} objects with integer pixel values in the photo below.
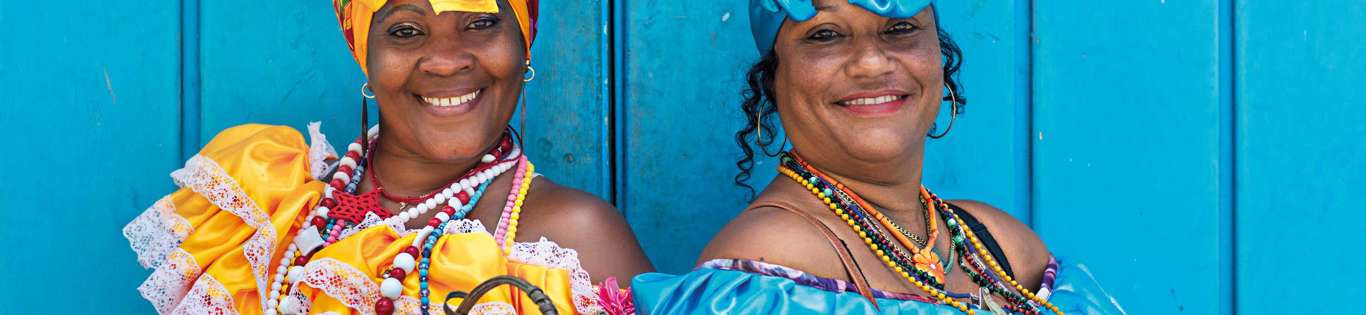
[
  {"x": 869, "y": 61},
  {"x": 446, "y": 60}
]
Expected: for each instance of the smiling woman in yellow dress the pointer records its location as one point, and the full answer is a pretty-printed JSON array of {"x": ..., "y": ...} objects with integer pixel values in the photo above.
[{"x": 435, "y": 199}]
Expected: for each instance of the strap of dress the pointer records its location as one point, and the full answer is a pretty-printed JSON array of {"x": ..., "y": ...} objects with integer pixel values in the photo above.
[{"x": 851, "y": 267}]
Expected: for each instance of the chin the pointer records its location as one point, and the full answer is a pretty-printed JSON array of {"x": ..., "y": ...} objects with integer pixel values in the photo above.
[{"x": 878, "y": 145}]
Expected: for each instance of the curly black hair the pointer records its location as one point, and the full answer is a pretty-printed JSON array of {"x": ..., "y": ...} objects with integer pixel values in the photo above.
[{"x": 757, "y": 104}]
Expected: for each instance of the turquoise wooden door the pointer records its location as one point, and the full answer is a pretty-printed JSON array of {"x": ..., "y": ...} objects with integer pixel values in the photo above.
[{"x": 1201, "y": 156}]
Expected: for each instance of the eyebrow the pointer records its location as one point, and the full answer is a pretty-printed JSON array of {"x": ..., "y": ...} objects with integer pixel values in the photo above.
[
  {"x": 405, "y": 7},
  {"x": 827, "y": 7}
]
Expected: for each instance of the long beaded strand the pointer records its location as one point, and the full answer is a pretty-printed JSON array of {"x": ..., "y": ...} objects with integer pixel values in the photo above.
[
  {"x": 972, "y": 254},
  {"x": 877, "y": 248}
]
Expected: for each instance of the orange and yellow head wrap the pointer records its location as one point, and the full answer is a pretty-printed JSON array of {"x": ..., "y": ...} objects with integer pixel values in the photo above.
[{"x": 355, "y": 15}]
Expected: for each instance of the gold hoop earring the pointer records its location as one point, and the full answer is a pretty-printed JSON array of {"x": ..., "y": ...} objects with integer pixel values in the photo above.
[
  {"x": 530, "y": 73},
  {"x": 366, "y": 92},
  {"x": 953, "y": 107},
  {"x": 758, "y": 126}
]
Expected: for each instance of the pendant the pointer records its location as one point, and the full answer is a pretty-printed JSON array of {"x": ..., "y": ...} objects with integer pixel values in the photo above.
[{"x": 926, "y": 260}]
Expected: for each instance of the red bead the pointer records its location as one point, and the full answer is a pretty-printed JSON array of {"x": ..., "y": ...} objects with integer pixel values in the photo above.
[
  {"x": 301, "y": 260},
  {"x": 434, "y": 222},
  {"x": 384, "y": 306},
  {"x": 464, "y": 197},
  {"x": 330, "y": 203},
  {"x": 448, "y": 210},
  {"x": 337, "y": 183},
  {"x": 319, "y": 222},
  {"x": 353, "y": 155},
  {"x": 411, "y": 250},
  {"x": 344, "y": 170},
  {"x": 397, "y": 273}
]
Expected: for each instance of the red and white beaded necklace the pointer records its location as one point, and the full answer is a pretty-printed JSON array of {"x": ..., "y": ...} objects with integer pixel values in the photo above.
[{"x": 338, "y": 209}]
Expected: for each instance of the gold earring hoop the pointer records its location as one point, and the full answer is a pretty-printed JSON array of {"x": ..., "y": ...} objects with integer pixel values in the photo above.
[
  {"x": 530, "y": 73},
  {"x": 953, "y": 108},
  {"x": 759, "y": 126},
  {"x": 366, "y": 92}
]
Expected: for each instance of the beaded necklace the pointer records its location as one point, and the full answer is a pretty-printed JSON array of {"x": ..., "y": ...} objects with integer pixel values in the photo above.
[
  {"x": 974, "y": 258},
  {"x": 338, "y": 210}
]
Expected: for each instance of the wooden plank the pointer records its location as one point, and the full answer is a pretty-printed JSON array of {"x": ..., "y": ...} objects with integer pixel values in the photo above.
[
  {"x": 284, "y": 62},
  {"x": 985, "y": 157},
  {"x": 1300, "y": 153},
  {"x": 568, "y": 104},
  {"x": 92, "y": 104},
  {"x": 1127, "y": 147},
  {"x": 679, "y": 108}
]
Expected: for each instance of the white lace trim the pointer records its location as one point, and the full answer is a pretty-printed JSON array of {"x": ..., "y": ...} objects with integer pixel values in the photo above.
[
  {"x": 207, "y": 297},
  {"x": 342, "y": 282},
  {"x": 547, "y": 253},
  {"x": 371, "y": 220},
  {"x": 493, "y": 308},
  {"x": 410, "y": 305},
  {"x": 319, "y": 150},
  {"x": 465, "y": 226},
  {"x": 208, "y": 179},
  {"x": 166, "y": 287},
  {"x": 356, "y": 290},
  {"x": 156, "y": 232}
]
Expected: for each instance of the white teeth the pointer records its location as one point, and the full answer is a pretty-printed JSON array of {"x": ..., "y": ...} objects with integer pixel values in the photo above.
[
  {"x": 451, "y": 101},
  {"x": 872, "y": 100}
]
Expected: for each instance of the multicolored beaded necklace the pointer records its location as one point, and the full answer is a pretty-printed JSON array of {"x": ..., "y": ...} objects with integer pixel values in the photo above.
[
  {"x": 341, "y": 208},
  {"x": 921, "y": 269}
]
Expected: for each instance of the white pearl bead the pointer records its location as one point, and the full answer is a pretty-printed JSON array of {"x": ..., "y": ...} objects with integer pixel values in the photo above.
[
  {"x": 429, "y": 204},
  {"x": 448, "y": 192},
  {"x": 354, "y": 147},
  {"x": 454, "y": 203},
  {"x": 290, "y": 305},
  {"x": 296, "y": 274},
  {"x": 275, "y": 287},
  {"x": 391, "y": 288},
  {"x": 442, "y": 216},
  {"x": 347, "y": 162},
  {"x": 271, "y": 311},
  {"x": 345, "y": 178},
  {"x": 322, "y": 212},
  {"x": 308, "y": 240},
  {"x": 274, "y": 300},
  {"x": 488, "y": 158},
  {"x": 405, "y": 262}
]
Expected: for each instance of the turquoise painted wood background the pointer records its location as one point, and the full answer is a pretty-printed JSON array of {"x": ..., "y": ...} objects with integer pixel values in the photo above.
[{"x": 1203, "y": 157}]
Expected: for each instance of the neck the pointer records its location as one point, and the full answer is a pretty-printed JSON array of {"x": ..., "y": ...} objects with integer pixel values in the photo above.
[
  {"x": 892, "y": 185},
  {"x": 405, "y": 173}
]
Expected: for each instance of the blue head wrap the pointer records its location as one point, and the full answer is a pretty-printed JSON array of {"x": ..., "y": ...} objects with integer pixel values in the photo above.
[{"x": 767, "y": 16}]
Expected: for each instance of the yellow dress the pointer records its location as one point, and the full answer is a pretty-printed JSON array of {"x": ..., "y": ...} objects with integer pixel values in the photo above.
[{"x": 215, "y": 244}]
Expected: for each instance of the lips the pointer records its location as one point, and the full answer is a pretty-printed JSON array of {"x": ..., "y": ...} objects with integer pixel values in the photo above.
[
  {"x": 872, "y": 100},
  {"x": 450, "y": 101},
  {"x": 873, "y": 104}
]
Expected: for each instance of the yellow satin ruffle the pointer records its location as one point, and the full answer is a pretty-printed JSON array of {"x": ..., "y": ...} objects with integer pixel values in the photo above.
[
  {"x": 459, "y": 262},
  {"x": 217, "y": 241}
]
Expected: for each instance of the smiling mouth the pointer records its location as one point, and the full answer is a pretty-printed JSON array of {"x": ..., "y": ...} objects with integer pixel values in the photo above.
[
  {"x": 451, "y": 101},
  {"x": 872, "y": 100}
]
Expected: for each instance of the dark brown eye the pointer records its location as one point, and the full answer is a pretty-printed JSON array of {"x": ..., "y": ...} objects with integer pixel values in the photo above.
[
  {"x": 824, "y": 36},
  {"x": 902, "y": 28},
  {"x": 405, "y": 31},
  {"x": 484, "y": 22}
]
